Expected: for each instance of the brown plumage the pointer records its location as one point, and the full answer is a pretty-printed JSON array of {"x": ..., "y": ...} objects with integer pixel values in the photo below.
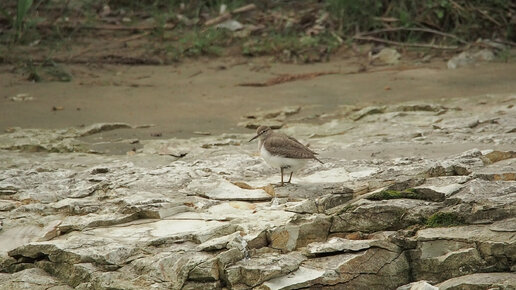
[
  {"x": 288, "y": 147},
  {"x": 280, "y": 150}
]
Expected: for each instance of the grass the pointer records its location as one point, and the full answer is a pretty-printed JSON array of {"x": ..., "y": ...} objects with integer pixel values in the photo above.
[
  {"x": 47, "y": 71},
  {"x": 201, "y": 42},
  {"x": 21, "y": 12},
  {"x": 473, "y": 19},
  {"x": 395, "y": 194},
  {"x": 290, "y": 45},
  {"x": 468, "y": 19},
  {"x": 444, "y": 219}
]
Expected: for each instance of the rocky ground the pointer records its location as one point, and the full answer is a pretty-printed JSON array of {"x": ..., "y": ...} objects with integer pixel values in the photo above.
[{"x": 420, "y": 193}]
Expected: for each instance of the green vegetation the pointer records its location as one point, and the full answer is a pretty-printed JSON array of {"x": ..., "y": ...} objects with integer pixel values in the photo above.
[
  {"x": 444, "y": 219},
  {"x": 21, "y": 13},
  {"x": 291, "y": 31},
  {"x": 207, "y": 42},
  {"x": 291, "y": 45},
  {"x": 48, "y": 70},
  {"x": 468, "y": 20},
  {"x": 395, "y": 194}
]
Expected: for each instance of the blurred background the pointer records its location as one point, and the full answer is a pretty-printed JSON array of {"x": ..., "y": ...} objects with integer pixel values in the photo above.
[{"x": 167, "y": 31}]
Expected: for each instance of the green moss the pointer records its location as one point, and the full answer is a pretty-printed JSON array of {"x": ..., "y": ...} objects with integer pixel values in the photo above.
[
  {"x": 395, "y": 194},
  {"x": 444, "y": 219}
]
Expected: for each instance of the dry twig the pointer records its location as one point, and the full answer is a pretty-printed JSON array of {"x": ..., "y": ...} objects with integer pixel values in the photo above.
[
  {"x": 105, "y": 27},
  {"x": 284, "y": 78},
  {"x": 414, "y": 29},
  {"x": 375, "y": 39},
  {"x": 227, "y": 15}
]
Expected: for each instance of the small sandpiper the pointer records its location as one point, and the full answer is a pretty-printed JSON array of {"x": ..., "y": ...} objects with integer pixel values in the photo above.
[{"x": 280, "y": 150}]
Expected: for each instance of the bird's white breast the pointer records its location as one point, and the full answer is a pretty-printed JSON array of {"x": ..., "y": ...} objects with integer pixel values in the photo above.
[{"x": 290, "y": 164}]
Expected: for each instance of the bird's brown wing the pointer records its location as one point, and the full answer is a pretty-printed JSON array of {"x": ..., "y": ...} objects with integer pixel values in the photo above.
[
  {"x": 286, "y": 147},
  {"x": 295, "y": 140}
]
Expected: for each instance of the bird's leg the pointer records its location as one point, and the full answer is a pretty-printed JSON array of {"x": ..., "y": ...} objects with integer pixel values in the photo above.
[
  {"x": 290, "y": 178},
  {"x": 281, "y": 170}
]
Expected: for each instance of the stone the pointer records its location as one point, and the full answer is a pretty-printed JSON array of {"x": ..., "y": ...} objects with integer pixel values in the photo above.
[
  {"x": 205, "y": 271},
  {"x": 32, "y": 279},
  {"x": 7, "y": 188},
  {"x": 312, "y": 187},
  {"x": 367, "y": 111},
  {"x": 481, "y": 281},
  {"x": 175, "y": 267},
  {"x": 372, "y": 216},
  {"x": 495, "y": 156},
  {"x": 386, "y": 56},
  {"x": 6, "y": 205},
  {"x": 332, "y": 128},
  {"x": 258, "y": 270},
  {"x": 336, "y": 245},
  {"x": 461, "y": 250},
  {"x": 224, "y": 190},
  {"x": 406, "y": 183},
  {"x": 229, "y": 257},
  {"x": 351, "y": 270},
  {"x": 220, "y": 243},
  {"x": 508, "y": 225},
  {"x": 17, "y": 236},
  {"x": 437, "y": 193},
  {"x": 327, "y": 202},
  {"x": 100, "y": 127},
  {"x": 305, "y": 206},
  {"x": 482, "y": 201},
  {"x": 53, "y": 140},
  {"x": 272, "y": 118},
  {"x": 77, "y": 223},
  {"x": 454, "y": 262},
  {"x": 201, "y": 285},
  {"x": 299, "y": 232},
  {"x": 231, "y": 25},
  {"x": 256, "y": 240},
  {"x": 414, "y": 107},
  {"x": 419, "y": 285},
  {"x": 467, "y": 58},
  {"x": 300, "y": 278}
]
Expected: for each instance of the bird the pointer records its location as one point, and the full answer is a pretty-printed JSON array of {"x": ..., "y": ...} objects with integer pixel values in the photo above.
[{"x": 285, "y": 152}]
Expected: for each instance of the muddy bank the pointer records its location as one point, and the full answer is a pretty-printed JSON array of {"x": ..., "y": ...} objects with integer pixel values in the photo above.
[{"x": 205, "y": 96}]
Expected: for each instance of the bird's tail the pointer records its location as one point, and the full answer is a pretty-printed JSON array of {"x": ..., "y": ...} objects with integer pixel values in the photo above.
[{"x": 318, "y": 160}]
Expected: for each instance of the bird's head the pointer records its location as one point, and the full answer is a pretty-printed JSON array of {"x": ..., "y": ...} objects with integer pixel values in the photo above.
[{"x": 262, "y": 132}]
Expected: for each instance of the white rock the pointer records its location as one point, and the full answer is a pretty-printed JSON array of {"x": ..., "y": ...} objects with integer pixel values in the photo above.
[{"x": 419, "y": 285}]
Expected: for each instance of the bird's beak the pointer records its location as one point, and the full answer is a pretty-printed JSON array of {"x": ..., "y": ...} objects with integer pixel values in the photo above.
[{"x": 254, "y": 137}]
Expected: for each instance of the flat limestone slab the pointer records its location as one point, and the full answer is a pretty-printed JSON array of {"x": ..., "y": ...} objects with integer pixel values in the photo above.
[
  {"x": 299, "y": 278},
  {"x": 225, "y": 190}
]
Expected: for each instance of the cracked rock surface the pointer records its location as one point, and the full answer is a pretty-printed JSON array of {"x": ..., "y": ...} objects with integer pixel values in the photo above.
[{"x": 410, "y": 195}]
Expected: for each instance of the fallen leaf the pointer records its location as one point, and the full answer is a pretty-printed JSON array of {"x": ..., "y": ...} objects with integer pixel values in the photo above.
[
  {"x": 269, "y": 189},
  {"x": 354, "y": 236},
  {"x": 243, "y": 185},
  {"x": 242, "y": 205}
]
